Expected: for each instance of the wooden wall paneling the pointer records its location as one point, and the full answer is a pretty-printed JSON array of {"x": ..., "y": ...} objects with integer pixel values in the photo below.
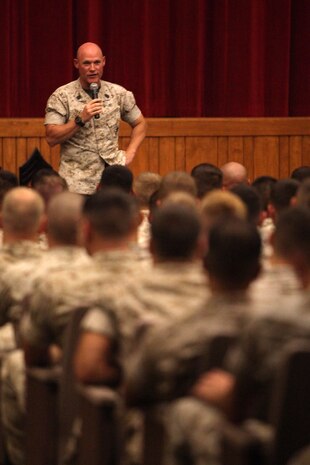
[
  {"x": 222, "y": 151},
  {"x": 235, "y": 149},
  {"x": 1, "y": 153},
  {"x": 9, "y": 154},
  {"x": 153, "y": 155},
  {"x": 141, "y": 161},
  {"x": 295, "y": 152},
  {"x": 248, "y": 147},
  {"x": 166, "y": 155},
  {"x": 266, "y": 156},
  {"x": 21, "y": 152},
  {"x": 306, "y": 150},
  {"x": 32, "y": 144},
  {"x": 180, "y": 156},
  {"x": 284, "y": 168},
  {"x": 200, "y": 150},
  {"x": 45, "y": 150},
  {"x": 55, "y": 157}
]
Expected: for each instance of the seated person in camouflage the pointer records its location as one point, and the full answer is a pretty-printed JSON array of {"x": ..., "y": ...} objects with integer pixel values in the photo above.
[
  {"x": 170, "y": 359},
  {"x": 19, "y": 280},
  {"x": 243, "y": 391},
  {"x": 86, "y": 127},
  {"x": 173, "y": 288},
  {"x": 22, "y": 220}
]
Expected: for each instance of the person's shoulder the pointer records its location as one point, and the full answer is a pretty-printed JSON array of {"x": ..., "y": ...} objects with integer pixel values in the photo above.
[
  {"x": 113, "y": 88},
  {"x": 70, "y": 87}
]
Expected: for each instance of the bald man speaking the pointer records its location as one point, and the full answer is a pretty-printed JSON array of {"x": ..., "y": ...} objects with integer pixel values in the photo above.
[{"x": 83, "y": 117}]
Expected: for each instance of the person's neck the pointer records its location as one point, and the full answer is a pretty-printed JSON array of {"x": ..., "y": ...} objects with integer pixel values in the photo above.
[{"x": 11, "y": 238}]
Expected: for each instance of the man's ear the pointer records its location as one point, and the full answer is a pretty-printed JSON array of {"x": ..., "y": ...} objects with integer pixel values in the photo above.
[{"x": 76, "y": 63}]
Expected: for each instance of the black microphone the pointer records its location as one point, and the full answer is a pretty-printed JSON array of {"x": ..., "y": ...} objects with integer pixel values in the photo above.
[{"x": 94, "y": 89}]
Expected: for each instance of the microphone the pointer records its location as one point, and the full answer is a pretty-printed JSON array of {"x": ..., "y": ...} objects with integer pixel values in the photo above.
[{"x": 94, "y": 89}]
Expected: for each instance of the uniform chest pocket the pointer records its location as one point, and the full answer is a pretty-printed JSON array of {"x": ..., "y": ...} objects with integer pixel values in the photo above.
[{"x": 112, "y": 117}]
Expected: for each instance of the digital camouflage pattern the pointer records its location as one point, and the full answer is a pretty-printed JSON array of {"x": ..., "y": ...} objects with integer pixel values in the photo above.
[{"x": 83, "y": 155}]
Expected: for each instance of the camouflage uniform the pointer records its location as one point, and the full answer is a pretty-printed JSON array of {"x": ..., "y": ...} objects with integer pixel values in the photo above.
[
  {"x": 11, "y": 254},
  {"x": 83, "y": 156},
  {"x": 16, "y": 284},
  {"x": 166, "y": 293},
  {"x": 275, "y": 283},
  {"x": 254, "y": 362}
]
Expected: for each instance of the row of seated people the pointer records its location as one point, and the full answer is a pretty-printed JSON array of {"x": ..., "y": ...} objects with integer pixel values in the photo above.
[{"x": 160, "y": 273}]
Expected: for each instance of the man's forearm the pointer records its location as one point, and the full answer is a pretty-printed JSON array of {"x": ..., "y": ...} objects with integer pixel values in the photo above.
[
  {"x": 58, "y": 133},
  {"x": 137, "y": 136}
]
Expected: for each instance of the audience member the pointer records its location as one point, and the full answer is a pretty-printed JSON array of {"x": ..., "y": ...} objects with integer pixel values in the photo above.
[
  {"x": 176, "y": 181},
  {"x": 252, "y": 201},
  {"x": 118, "y": 176},
  {"x": 283, "y": 194},
  {"x": 233, "y": 174},
  {"x": 207, "y": 178},
  {"x": 221, "y": 204},
  {"x": 8, "y": 181},
  {"x": 16, "y": 284},
  {"x": 264, "y": 186},
  {"x": 144, "y": 186},
  {"x": 301, "y": 173},
  {"x": 170, "y": 359},
  {"x": 303, "y": 194}
]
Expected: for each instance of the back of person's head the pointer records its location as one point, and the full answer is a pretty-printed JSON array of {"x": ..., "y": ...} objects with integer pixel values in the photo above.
[
  {"x": 112, "y": 213},
  {"x": 207, "y": 178},
  {"x": 264, "y": 186},
  {"x": 282, "y": 194},
  {"x": 234, "y": 173},
  {"x": 301, "y": 173},
  {"x": 48, "y": 183},
  {"x": 175, "y": 230},
  {"x": 291, "y": 240},
  {"x": 8, "y": 181},
  {"x": 144, "y": 185},
  {"x": 233, "y": 256},
  {"x": 22, "y": 211},
  {"x": 252, "y": 201},
  {"x": 221, "y": 204},
  {"x": 40, "y": 175},
  {"x": 9, "y": 177},
  {"x": 177, "y": 181},
  {"x": 118, "y": 176},
  {"x": 303, "y": 194},
  {"x": 63, "y": 218}
]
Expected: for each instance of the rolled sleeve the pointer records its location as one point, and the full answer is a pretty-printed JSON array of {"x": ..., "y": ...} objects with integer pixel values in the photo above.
[{"x": 97, "y": 321}]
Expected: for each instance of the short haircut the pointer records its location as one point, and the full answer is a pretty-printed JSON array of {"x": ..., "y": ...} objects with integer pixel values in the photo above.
[
  {"x": 40, "y": 176},
  {"x": 303, "y": 194},
  {"x": 64, "y": 214},
  {"x": 112, "y": 213},
  {"x": 282, "y": 193},
  {"x": 118, "y": 176},
  {"x": 251, "y": 199},
  {"x": 9, "y": 177},
  {"x": 175, "y": 229},
  {"x": 144, "y": 185},
  {"x": 207, "y": 178},
  {"x": 221, "y": 204},
  {"x": 22, "y": 210},
  {"x": 234, "y": 252},
  {"x": 264, "y": 186},
  {"x": 49, "y": 185},
  {"x": 301, "y": 173},
  {"x": 292, "y": 233},
  {"x": 177, "y": 181},
  {"x": 8, "y": 181}
]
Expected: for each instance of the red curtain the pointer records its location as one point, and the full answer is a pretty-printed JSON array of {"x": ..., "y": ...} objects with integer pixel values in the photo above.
[{"x": 186, "y": 58}]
